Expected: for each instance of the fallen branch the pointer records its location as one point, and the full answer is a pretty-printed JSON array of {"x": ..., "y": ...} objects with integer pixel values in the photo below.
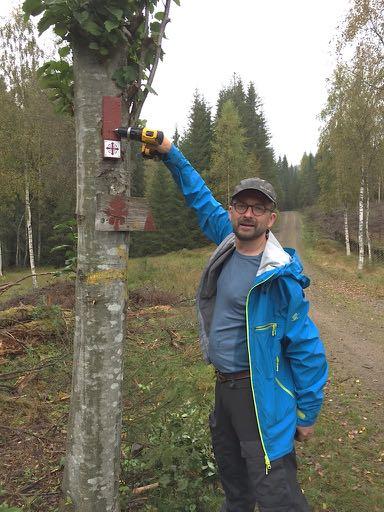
[
  {"x": 145, "y": 488},
  {"x": 6, "y": 286},
  {"x": 10, "y": 335}
]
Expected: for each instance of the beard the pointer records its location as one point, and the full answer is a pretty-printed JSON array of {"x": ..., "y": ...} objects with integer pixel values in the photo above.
[{"x": 253, "y": 230}]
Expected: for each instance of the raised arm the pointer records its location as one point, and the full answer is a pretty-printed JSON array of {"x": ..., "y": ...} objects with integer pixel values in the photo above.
[{"x": 213, "y": 218}]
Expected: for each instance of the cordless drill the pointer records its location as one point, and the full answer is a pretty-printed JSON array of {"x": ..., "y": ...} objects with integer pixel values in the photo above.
[{"x": 146, "y": 136}]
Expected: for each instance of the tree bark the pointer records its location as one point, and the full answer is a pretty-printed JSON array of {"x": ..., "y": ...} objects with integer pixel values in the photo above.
[
  {"x": 346, "y": 233},
  {"x": 367, "y": 235},
  {"x": 17, "y": 252},
  {"x": 91, "y": 477},
  {"x": 30, "y": 234},
  {"x": 360, "y": 264},
  {"x": 1, "y": 261}
]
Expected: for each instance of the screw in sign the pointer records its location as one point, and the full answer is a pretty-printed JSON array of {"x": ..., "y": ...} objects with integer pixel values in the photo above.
[{"x": 112, "y": 149}]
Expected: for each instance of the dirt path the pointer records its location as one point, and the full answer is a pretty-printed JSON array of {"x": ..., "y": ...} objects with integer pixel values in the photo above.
[{"x": 351, "y": 325}]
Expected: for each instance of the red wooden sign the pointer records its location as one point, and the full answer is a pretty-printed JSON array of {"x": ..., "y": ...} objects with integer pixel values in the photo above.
[
  {"x": 122, "y": 213},
  {"x": 111, "y": 117},
  {"x": 111, "y": 111}
]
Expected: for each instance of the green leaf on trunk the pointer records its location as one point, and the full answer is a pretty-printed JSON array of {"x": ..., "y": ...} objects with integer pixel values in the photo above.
[
  {"x": 126, "y": 75},
  {"x": 46, "y": 21},
  {"x": 110, "y": 25},
  {"x": 60, "y": 30},
  {"x": 160, "y": 15},
  {"x": 155, "y": 27},
  {"x": 63, "y": 52},
  {"x": 149, "y": 89},
  {"x": 33, "y": 7},
  {"x": 81, "y": 16},
  {"x": 118, "y": 13},
  {"x": 92, "y": 27}
]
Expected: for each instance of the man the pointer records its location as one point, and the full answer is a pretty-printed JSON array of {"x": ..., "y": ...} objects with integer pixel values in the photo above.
[{"x": 255, "y": 330}]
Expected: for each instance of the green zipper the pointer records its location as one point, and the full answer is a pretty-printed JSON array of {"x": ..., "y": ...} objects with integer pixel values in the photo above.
[
  {"x": 284, "y": 388},
  {"x": 266, "y": 458},
  {"x": 265, "y": 327},
  {"x": 300, "y": 414}
]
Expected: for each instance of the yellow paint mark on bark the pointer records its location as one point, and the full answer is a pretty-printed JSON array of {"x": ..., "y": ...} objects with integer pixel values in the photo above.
[
  {"x": 104, "y": 276},
  {"x": 122, "y": 252}
]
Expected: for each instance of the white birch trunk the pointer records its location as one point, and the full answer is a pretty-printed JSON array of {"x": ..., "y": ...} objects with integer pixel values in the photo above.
[
  {"x": 17, "y": 252},
  {"x": 346, "y": 233},
  {"x": 91, "y": 477},
  {"x": 360, "y": 264},
  {"x": 1, "y": 261},
  {"x": 30, "y": 234},
  {"x": 367, "y": 235}
]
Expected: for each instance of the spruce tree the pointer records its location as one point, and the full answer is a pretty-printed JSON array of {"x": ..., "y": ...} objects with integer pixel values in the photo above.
[
  {"x": 229, "y": 156},
  {"x": 234, "y": 92},
  {"x": 196, "y": 143}
]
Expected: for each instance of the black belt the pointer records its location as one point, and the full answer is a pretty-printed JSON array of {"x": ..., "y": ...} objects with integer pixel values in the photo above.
[{"x": 224, "y": 377}]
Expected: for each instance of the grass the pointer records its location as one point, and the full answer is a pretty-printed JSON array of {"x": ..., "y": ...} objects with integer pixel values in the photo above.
[
  {"x": 330, "y": 256},
  {"x": 178, "y": 271},
  {"x": 168, "y": 393}
]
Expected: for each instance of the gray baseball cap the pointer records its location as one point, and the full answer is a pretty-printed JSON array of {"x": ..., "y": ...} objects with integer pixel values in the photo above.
[{"x": 256, "y": 184}]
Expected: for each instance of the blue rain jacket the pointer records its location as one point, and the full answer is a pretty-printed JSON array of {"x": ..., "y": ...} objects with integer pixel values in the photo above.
[{"x": 286, "y": 356}]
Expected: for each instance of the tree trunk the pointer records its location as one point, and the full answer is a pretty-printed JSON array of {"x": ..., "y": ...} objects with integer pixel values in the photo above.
[
  {"x": 17, "y": 253},
  {"x": 367, "y": 235},
  {"x": 346, "y": 232},
  {"x": 360, "y": 264},
  {"x": 25, "y": 248},
  {"x": 91, "y": 477},
  {"x": 39, "y": 204},
  {"x": 1, "y": 261},
  {"x": 30, "y": 234},
  {"x": 379, "y": 190}
]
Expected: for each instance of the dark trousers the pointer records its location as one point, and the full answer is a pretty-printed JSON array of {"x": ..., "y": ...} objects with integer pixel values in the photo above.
[{"x": 240, "y": 457}]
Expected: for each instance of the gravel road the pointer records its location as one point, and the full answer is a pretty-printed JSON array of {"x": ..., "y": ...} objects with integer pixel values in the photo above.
[{"x": 351, "y": 322}]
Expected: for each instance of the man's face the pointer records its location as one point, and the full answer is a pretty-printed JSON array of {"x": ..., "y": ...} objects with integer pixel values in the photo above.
[{"x": 248, "y": 226}]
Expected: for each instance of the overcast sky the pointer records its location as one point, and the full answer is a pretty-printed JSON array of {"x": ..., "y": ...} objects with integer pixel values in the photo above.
[{"x": 283, "y": 46}]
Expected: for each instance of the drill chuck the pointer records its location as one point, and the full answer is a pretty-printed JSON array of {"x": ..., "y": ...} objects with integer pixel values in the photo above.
[{"x": 144, "y": 135}]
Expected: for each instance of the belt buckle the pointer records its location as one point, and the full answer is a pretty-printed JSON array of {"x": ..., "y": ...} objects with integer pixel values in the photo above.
[{"x": 220, "y": 376}]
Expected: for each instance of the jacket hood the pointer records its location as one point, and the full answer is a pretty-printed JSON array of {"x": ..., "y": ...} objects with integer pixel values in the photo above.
[{"x": 286, "y": 260}]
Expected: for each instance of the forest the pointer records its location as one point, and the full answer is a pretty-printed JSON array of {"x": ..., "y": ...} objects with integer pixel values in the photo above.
[
  {"x": 78, "y": 436},
  {"x": 225, "y": 142}
]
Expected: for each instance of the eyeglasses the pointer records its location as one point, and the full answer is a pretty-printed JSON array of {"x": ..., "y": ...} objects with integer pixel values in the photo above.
[{"x": 257, "y": 209}]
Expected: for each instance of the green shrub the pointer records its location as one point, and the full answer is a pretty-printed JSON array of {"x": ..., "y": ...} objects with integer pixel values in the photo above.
[{"x": 179, "y": 457}]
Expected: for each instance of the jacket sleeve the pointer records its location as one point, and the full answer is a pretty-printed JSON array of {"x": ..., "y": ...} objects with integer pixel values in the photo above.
[
  {"x": 306, "y": 355},
  {"x": 213, "y": 218}
]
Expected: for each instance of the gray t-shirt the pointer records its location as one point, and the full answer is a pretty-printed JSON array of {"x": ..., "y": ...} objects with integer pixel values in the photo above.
[{"x": 228, "y": 350}]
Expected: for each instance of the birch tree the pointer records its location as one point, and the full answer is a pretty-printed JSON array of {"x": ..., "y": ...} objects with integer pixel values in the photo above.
[
  {"x": 116, "y": 47},
  {"x": 19, "y": 57},
  {"x": 354, "y": 133}
]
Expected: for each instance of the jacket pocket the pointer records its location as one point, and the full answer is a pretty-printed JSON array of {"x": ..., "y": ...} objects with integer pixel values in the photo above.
[
  {"x": 263, "y": 350},
  {"x": 266, "y": 327},
  {"x": 285, "y": 399},
  {"x": 281, "y": 385}
]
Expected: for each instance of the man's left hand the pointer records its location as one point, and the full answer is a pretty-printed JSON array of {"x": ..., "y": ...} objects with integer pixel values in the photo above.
[{"x": 304, "y": 433}]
